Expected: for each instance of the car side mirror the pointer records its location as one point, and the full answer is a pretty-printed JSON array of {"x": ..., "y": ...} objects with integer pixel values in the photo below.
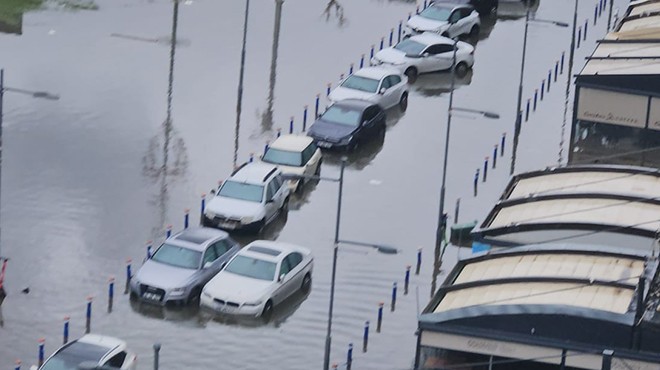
[
  {"x": 212, "y": 191},
  {"x": 365, "y": 122},
  {"x": 271, "y": 200},
  {"x": 207, "y": 264},
  {"x": 281, "y": 278},
  {"x": 425, "y": 55},
  {"x": 382, "y": 90},
  {"x": 223, "y": 265}
]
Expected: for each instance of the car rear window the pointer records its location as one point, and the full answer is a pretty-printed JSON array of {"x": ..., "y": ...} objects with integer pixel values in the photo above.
[
  {"x": 410, "y": 47},
  {"x": 361, "y": 83},
  {"x": 342, "y": 116},
  {"x": 242, "y": 191},
  {"x": 437, "y": 13},
  {"x": 283, "y": 157},
  {"x": 73, "y": 355}
]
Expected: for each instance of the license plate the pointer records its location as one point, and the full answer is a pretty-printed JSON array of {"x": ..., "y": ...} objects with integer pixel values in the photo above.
[
  {"x": 228, "y": 225},
  {"x": 224, "y": 308},
  {"x": 324, "y": 144},
  {"x": 152, "y": 296}
]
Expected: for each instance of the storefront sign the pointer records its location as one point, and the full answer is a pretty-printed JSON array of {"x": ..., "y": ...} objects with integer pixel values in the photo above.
[{"x": 612, "y": 107}]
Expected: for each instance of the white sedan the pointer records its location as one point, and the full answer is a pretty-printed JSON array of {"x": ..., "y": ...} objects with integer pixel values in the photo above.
[
  {"x": 427, "y": 52},
  {"x": 89, "y": 352},
  {"x": 447, "y": 19},
  {"x": 260, "y": 276},
  {"x": 386, "y": 87}
]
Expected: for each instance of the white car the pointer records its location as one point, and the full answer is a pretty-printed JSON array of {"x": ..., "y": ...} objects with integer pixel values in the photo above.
[
  {"x": 386, "y": 87},
  {"x": 427, "y": 52},
  {"x": 294, "y": 155},
  {"x": 260, "y": 276},
  {"x": 250, "y": 199},
  {"x": 89, "y": 352},
  {"x": 446, "y": 19}
]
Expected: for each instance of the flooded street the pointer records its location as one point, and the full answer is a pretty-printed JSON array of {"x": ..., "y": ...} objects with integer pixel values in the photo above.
[{"x": 89, "y": 179}]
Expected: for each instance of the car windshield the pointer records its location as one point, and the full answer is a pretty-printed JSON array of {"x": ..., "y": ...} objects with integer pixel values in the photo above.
[
  {"x": 177, "y": 256},
  {"x": 252, "y": 267},
  {"x": 410, "y": 47},
  {"x": 73, "y": 355},
  {"x": 283, "y": 157},
  {"x": 437, "y": 13},
  {"x": 342, "y": 115},
  {"x": 361, "y": 83},
  {"x": 242, "y": 191}
]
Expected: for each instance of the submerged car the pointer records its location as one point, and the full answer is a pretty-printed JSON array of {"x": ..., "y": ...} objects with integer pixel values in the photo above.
[
  {"x": 294, "y": 155},
  {"x": 259, "y": 277},
  {"x": 182, "y": 265},
  {"x": 384, "y": 86},
  {"x": 348, "y": 124},
  {"x": 447, "y": 19},
  {"x": 90, "y": 352},
  {"x": 427, "y": 52},
  {"x": 249, "y": 200}
]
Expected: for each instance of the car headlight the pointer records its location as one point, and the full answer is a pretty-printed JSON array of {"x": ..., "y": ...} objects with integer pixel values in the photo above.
[
  {"x": 253, "y": 303},
  {"x": 247, "y": 219},
  {"x": 177, "y": 291}
]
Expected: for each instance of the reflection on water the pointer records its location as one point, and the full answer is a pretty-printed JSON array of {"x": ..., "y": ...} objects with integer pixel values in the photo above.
[
  {"x": 156, "y": 163},
  {"x": 335, "y": 10},
  {"x": 436, "y": 84},
  {"x": 359, "y": 158},
  {"x": 267, "y": 116},
  {"x": 11, "y": 11}
]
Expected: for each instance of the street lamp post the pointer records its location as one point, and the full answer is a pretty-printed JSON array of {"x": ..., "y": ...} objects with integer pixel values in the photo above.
[
  {"x": 519, "y": 112},
  {"x": 442, "y": 218},
  {"x": 34, "y": 94}
]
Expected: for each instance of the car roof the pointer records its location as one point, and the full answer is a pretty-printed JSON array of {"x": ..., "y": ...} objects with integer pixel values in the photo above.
[
  {"x": 271, "y": 251},
  {"x": 453, "y": 4},
  {"x": 254, "y": 173},
  {"x": 102, "y": 341},
  {"x": 376, "y": 72},
  {"x": 429, "y": 38},
  {"x": 355, "y": 103},
  {"x": 292, "y": 142},
  {"x": 195, "y": 238}
]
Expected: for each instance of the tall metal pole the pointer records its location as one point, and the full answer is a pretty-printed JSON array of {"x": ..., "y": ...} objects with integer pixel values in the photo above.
[
  {"x": 571, "y": 55},
  {"x": 239, "y": 100},
  {"x": 267, "y": 121},
  {"x": 442, "y": 220},
  {"x": 328, "y": 337},
  {"x": 520, "y": 90},
  {"x": 2, "y": 92}
]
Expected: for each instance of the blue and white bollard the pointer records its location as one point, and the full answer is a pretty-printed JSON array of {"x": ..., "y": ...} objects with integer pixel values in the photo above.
[
  {"x": 186, "y": 218},
  {"x": 149, "y": 249},
  {"x": 279, "y": 133},
  {"x": 203, "y": 204},
  {"x": 168, "y": 231},
  {"x": 393, "y": 305},
  {"x": 485, "y": 169},
  {"x": 251, "y": 158},
  {"x": 371, "y": 54},
  {"x": 88, "y": 315},
  {"x": 291, "y": 122},
  {"x": 111, "y": 293},
  {"x": 42, "y": 344},
  {"x": 542, "y": 89},
  {"x": 419, "y": 261},
  {"x": 18, "y": 365},
  {"x": 586, "y": 26},
  {"x": 409, "y": 16},
  {"x": 561, "y": 66},
  {"x": 494, "y": 156},
  {"x": 400, "y": 30},
  {"x": 382, "y": 43},
  {"x": 549, "y": 79},
  {"x": 350, "y": 69},
  {"x": 579, "y": 37},
  {"x": 65, "y": 331},
  {"x": 304, "y": 128},
  {"x": 129, "y": 275},
  {"x": 596, "y": 14},
  {"x": 327, "y": 90},
  {"x": 379, "y": 323},
  {"x": 556, "y": 70},
  {"x": 527, "y": 110},
  {"x": 476, "y": 182},
  {"x": 536, "y": 98},
  {"x": 316, "y": 106},
  {"x": 391, "y": 36},
  {"x": 362, "y": 61},
  {"x": 365, "y": 337},
  {"x": 349, "y": 357},
  {"x": 406, "y": 281},
  {"x": 502, "y": 144}
]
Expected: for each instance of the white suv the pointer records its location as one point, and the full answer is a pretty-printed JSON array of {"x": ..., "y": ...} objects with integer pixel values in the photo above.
[
  {"x": 294, "y": 155},
  {"x": 447, "y": 19},
  {"x": 250, "y": 199}
]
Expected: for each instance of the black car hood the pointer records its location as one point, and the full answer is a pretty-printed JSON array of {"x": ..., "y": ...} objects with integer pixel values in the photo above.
[{"x": 332, "y": 132}]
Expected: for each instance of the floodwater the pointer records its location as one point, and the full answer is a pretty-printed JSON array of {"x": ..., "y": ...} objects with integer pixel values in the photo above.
[{"x": 90, "y": 178}]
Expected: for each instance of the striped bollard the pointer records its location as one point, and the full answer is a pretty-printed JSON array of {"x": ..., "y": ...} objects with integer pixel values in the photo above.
[
  {"x": 556, "y": 70},
  {"x": 362, "y": 61},
  {"x": 365, "y": 337},
  {"x": 350, "y": 69},
  {"x": 457, "y": 209},
  {"x": 393, "y": 305},
  {"x": 549, "y": 79},
  {"x": 65, "y": 331},
  {"x": 527, "y": 110},
  {"x": 494, "y": 156},
  {"x": 382, "y": 43},
  {"x": 128, "y": 275},
  {"x": 502, "y": 144},
  {"x": 391, "y": 36},
  {"x": 371, "y": 53},
  {"x": 18, "y": 365},
  {"x": 600, "y": 8},
  {"x": 42, "y": 344},
  {"x": 341, "y": 77},
  {"x": 476, "y": 182},
  {"x": 561, "y": 66},
  {"x": 279, "y": 133},
  {"x": 417, "y": 10},
  {"x": 536, "y": 98},
  {"x": 349, "y": 357},
  {"x": 203, "y": 205},
  {"x": 291, "y": 124},
  {"x": 419, "y": 261},
  {"x": 379, "y": 323},
  {"x": 406, "y": 281},
  {"x": 327, "y": 89},
  {"x": 88, "y": 315},
  {"x": 596, "y": 14},
  {"x": 335, "y": 366},
  {"x": 266, "y": 147},
  {"x": 485, "y": 169},
  {"x": 586, "y": 26},
  {"x": 542, "y": 89},
  {"x": 316, "y": 106},
  {"x": 168, "y": 231},
  {"x": 186, "y": 218},
  {"x": 400, "y": 29},
  {"x": 251, "y": 159},
  {"x": 579, "y": 37},
  {"x": 304, "y": 128},
  {"x": 111, "y": 293}
]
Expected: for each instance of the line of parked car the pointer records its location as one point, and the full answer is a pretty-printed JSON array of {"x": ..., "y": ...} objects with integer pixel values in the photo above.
[{"x": 205, "y": 266}]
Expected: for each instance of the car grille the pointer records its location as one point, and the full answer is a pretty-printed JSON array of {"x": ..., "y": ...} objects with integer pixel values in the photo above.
[
  {"x": 144, "y": 288},
  {"x": 228, "y": 303}
]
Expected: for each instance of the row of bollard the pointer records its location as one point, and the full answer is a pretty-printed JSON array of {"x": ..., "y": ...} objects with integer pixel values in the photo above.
[{"x": 478, "y": 173}]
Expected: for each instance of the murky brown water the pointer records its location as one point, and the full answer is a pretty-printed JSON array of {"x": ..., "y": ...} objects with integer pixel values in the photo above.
[{"x": 85, "y": 185}]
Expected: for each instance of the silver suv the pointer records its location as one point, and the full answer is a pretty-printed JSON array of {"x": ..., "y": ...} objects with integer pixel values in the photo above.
[{"x": 179, "y": 268}]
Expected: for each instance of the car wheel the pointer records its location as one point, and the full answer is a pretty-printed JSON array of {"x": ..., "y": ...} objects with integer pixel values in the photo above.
[
  {"x": 462, "y": 69},
  {"x": 285, "y": 206},
  {"x": 261, "y": 226},
  {"x": 474, "y": 31},
  {"x": 317, "y": 172},
  {"x": 403, "y": 102},
  {"x": 299, "y": 187},
  {"x": 411, "y": 73},
  {"x": 267, "y": 313},
  {"x": 355, "y": 145},
  {"x": 194, "y": 295},
  {"x": 306, "y": 283}
]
